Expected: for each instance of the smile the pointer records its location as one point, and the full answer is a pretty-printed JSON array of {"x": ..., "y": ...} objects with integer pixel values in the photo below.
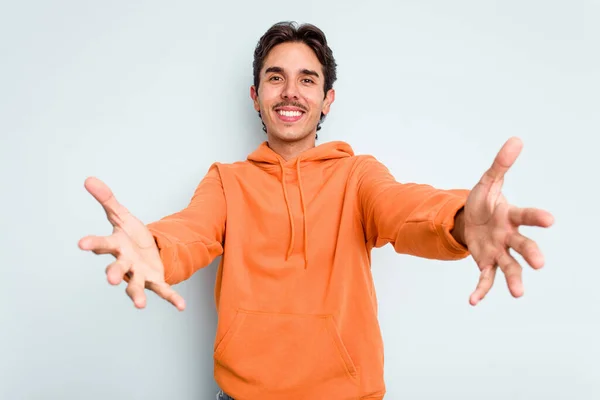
[
  {"x": 289, "y": 116},
  {"x": 290, "y": 113}
]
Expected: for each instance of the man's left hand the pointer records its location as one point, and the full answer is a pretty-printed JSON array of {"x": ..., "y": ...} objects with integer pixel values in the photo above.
[{"x": 491, "y": 227}]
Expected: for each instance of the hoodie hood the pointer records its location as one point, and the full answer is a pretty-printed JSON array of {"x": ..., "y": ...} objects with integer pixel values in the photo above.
[
  {"x": 265, "y": 158},
  {"x": 326, "y": 151}
]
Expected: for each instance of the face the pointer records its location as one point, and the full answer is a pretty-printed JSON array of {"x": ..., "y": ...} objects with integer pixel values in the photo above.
[{"x": 290, "y": 95}]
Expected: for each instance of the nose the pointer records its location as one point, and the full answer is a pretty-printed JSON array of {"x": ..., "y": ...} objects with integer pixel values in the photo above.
[{"x": 290, "y": 90}]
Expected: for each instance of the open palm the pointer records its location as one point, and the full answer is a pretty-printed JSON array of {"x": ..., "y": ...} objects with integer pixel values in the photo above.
[
  {"x": 492, "y": 227},
  {"x": 131, "y": 243}
]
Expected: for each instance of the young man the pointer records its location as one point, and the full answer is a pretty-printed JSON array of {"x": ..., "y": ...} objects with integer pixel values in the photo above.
[{"x": 295, "y": 224}]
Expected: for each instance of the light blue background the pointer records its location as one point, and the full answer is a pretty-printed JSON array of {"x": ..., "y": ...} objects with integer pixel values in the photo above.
[{"x": 147, "y": 94}]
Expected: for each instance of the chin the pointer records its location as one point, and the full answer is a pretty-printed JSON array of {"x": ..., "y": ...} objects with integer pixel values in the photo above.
[{"x": 291, "y": 136}]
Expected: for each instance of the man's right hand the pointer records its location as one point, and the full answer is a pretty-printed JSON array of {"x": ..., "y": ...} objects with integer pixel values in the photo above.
[{"x": 131, "y": 243}]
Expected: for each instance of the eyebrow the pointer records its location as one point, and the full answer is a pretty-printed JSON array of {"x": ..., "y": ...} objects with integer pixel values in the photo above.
[{"x": 279, "y": 70}]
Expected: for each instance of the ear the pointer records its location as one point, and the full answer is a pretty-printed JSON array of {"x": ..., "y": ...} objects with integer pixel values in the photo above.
[
  {"x": 254, "y": 97},
  {"x": 329, "y": 99}
]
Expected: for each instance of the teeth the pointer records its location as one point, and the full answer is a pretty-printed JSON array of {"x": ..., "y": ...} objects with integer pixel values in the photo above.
[{"x": 290, "y": 113}]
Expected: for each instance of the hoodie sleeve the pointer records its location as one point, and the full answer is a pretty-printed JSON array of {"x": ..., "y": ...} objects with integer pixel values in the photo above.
[
  {"x": 193, "y": 237},
  {"x": 415, "y": 218}
]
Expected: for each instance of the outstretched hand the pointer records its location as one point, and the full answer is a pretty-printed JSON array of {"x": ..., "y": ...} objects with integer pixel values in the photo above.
[
  {"x": 131, "y": 243},
  {"x": 491, "y": 227}
]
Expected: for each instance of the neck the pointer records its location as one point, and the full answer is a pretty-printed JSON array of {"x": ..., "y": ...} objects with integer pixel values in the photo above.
[{"x": 290, "y": 149}]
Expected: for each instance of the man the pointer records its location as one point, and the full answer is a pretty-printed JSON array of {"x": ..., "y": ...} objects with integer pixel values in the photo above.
[{"x": 295, "y": 224}]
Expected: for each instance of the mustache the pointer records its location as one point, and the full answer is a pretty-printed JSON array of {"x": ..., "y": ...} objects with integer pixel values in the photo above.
[{"x": 290, "y": 104}]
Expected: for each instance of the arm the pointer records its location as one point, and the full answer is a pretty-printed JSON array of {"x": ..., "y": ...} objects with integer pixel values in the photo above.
[
  {"x": 416, "y": 219},
  {"x": 193, "y": 237}
]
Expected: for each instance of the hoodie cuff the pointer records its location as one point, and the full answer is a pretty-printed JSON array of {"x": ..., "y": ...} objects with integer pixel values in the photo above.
[
  {"x": 166, "y": 251},
  {"x": 444, "y": 223}
]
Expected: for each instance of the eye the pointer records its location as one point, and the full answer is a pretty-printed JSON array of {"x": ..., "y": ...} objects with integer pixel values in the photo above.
[
  {"x": 308, "y": 80},
  {"x": 275, "y": 78}
]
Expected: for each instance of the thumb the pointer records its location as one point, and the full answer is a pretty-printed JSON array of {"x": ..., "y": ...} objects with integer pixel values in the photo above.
[
  {"x": 505, "y": 158},
  {"x": 102, "y": 193}
]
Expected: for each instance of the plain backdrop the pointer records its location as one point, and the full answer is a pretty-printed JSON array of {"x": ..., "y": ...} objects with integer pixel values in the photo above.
[{"x": 146, "y": 95}]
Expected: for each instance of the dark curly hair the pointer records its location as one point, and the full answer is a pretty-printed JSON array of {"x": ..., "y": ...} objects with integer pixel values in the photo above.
[{"x": 289, "y": 31}]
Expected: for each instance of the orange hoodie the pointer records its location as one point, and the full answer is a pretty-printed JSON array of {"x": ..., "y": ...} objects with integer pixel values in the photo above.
[{"x": 297, "y": 310}]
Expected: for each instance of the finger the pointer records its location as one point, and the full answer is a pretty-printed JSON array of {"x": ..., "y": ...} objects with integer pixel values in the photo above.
[
  {"x": 115, "y": 272},
  {"x": 100, "y": 245},
  {"x": 503, "y": 161},
  {"x": 486, "y": 280},
  {"x": 528, "y": 249},
  {"x": 166, "y": 292},
  {"x": 530, "y": 217},
  {"x": 102, "y": 193},
  {"x": 135, "y": 289},
  {"x": 513, "y": 272}
]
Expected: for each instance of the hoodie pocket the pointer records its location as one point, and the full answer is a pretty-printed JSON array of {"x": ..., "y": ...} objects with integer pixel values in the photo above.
[{"x": 287, "y": 353}]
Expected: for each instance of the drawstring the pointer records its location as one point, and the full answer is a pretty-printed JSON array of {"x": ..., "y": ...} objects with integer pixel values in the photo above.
[
  {"x": 287, "y": 203},
  {"x": 303, "y": 214}
]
